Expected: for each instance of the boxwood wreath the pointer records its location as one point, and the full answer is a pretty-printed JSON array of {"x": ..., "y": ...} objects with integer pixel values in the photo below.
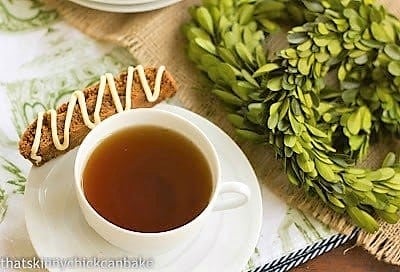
[{"x": 319, "y": 131}]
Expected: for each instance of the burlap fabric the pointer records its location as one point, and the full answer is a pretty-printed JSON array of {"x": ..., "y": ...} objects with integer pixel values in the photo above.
[{"x": 155, "y": 38}]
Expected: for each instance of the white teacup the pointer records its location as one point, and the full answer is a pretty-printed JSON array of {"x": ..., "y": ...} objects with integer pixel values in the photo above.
[{"x": 157, "y": 242}]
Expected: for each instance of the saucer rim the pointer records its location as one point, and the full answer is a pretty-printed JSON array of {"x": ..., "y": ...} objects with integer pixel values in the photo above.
[{"x": 126, "y": 8}]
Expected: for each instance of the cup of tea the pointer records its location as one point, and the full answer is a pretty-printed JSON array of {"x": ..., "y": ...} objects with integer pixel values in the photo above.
[{"x": 147, "y": 180}]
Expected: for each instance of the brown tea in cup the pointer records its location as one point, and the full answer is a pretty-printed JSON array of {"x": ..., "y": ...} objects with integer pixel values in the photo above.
[{"x": 147, "y": 179}]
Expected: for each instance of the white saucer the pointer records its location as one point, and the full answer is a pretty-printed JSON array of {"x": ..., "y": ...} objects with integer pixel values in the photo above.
[
  {"x": 126, "y": 8},
  {"x": 57, "y": 228}
]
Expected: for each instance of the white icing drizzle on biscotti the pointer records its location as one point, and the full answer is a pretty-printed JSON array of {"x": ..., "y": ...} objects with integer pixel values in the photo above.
[{"x": 79, "y": 96}]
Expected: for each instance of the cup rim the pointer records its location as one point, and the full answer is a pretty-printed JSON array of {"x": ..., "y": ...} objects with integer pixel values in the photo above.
[{"x": 78, "y": 181}]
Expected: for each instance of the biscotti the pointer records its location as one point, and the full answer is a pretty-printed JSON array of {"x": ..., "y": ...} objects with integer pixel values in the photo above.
[{"x": 141, "y": 83}]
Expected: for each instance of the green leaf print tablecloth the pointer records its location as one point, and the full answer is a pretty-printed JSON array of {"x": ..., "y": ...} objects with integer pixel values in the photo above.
[{"x": 43, "y": 60}]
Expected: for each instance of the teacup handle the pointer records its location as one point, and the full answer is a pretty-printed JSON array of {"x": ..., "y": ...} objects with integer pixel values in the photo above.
[{"x": 241, "y": 190}]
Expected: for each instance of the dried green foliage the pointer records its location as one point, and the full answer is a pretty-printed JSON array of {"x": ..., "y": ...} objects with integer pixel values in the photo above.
[{"x": 319, "y": 131}]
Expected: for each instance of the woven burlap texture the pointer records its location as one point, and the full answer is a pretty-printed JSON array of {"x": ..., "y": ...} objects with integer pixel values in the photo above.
[{"x": 155, "y": 38}]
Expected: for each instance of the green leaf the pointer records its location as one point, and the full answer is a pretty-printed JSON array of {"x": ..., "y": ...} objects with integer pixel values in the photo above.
[
  {"x": 356, "y": 22},
  {"x": 313, "y": 6},
  {"x": 366, "y": 118},
  {"x": 322, "y": 29},
  {"x": 385, "y": 173},
  {"x": 349, "y": 96},
  {"x": 354, "y": 123},
  {"x": 392, "y": 186},
  {"x": 296, "y": 126},
  {"x": 246, "y": 14},
  {"x": 249, "y": 78},
  {"x": 242, "y": 90},
  {"x": 206, "y": 45},
  {"x": 273, "y": 121},
  {"x": 320, "y": 193},
  {"x": 334, "y": 47},
  {"x": 256, "y": 109},
  {"x": 227, "y": 56},
  {"x": 356, "y": 171},
  {"x": 230, "y": 40},
  {"x": 316, "y": 132},
  {"x": 305, "y": 164},
  {"x": 389, "y": 160},
  {"x": 375, "y": 15},
  {"x": 356, "y": 141},
  {"x": 274, "y": 107},
  {"x": 228, "y": 98},
  {"x": 268, "y": 6},
  {"x": 204, "y": 19},
  {"x": 290, "y": 140},
  {"x": 236, "y": 120},
  {"x": 303, "y": 66},
  {"x": 196, "y": 32},
  {"x": 361, "y": 60},
  {"x": 342, "y": 73},
  {"x": 305, "y": 46},
  {"x": 250, "y": 135},
  {"x": 208, "y": 60},
  {"x": 292, "y": 177},
  {"x": 269, "y": 67},
  {"x": 274, "y": 84},
  {"x": 381, "y": 174},
  {"x": 335, "y": 201},
  {"x": 269, "y": 25},
  {"x": 261, "y": 55},
  {"x": 284, "y": 109},
  {"x": 380, "y": 34},
  {"x": 325, "y": 171},
  {"x": 244, "y": 53},
  {"x": 321, "y": 41},
  {"x": 296, "y": 37},
  {"x": 394, "y": 68},
  {"x": 341, "y": 24},
  {"x": 371, "y": 43},
  {"x": 393, "y": 51},
  {"x": 322, "y": 57},
  {"x": 363, "y": 219},
  {"x": 223, "y": 24}
]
